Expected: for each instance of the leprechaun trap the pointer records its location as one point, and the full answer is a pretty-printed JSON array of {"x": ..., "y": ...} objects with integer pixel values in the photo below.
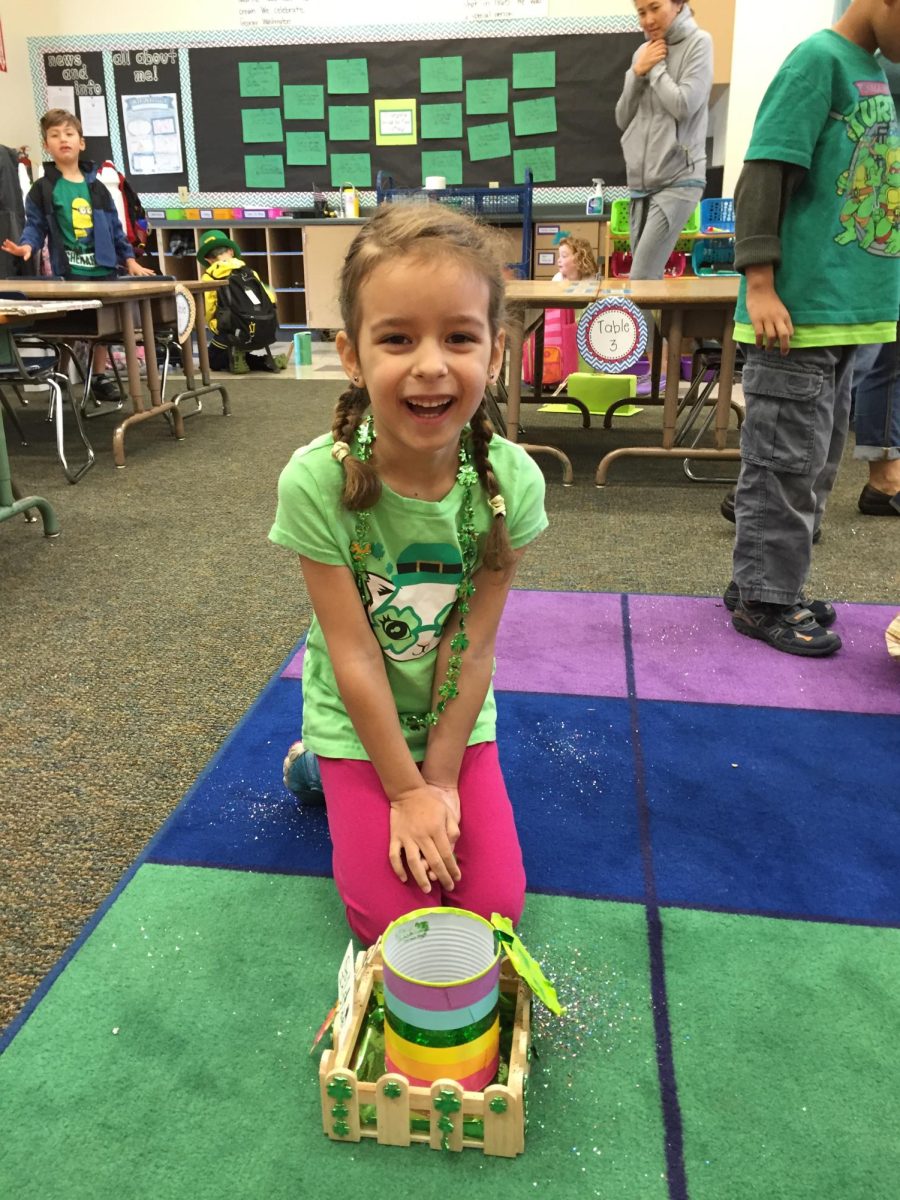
[{"x": 431, "y": 1041}]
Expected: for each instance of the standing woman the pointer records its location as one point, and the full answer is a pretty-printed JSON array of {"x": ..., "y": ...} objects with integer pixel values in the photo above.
[{"x": 662, "y": 113}]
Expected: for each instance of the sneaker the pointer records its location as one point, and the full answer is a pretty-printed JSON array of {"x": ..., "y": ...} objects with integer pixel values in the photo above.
[
  {"x": 301, "y": 775},
  {"x": 238, "y": 364},
  {"x": 276, "y": 362},
  {"x": 873, "y": 503},
  {"x": 726, "y": 508},
  {"x": 823, "y": 612},
  {"x": 105, "y": 389},
  {"x": 788, "y": 627}
]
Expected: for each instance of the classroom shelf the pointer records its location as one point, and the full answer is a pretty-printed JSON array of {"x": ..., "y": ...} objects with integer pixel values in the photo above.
[{"x": 275, "y": 254}]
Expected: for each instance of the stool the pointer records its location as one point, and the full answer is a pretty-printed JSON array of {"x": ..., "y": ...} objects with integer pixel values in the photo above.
[{"x": 598, "y": 393}]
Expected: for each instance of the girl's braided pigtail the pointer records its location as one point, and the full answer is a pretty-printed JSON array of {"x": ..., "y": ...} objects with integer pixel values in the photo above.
[
  {"x": 498, "y": 552},
  {"x": 362, "y": 487}
]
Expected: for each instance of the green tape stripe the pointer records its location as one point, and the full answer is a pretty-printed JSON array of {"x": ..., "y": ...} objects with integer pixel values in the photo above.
[{"x": 440, "y": 1038}]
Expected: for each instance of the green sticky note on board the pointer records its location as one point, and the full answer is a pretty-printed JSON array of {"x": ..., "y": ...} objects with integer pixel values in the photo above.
[
  {"x": 262, "y": 125},
  {"x": 260, "y": 78},
  {"x": 304, "y": 102},
  {"x": 534, "y": 116},
  {"x": 536, "y": 70},
  {"x": 441, "y": 121},
  {"x": 306, "y": 149},
  {"x": 485, "y": 96},
  {"x": 348, "y": 76},
  {"x": 351, "y": 168},
  {"x": 264, "y": 171},
  {"x": 488, "y": 141},
  {"x": 541, "y": 159},
  {"x": 348, "y": 122},
  {"x": 442, "y": 162},
  {"x": 441, "y": 74}
]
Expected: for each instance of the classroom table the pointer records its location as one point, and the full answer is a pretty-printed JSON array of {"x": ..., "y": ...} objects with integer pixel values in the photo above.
[
  {"x": 197, "y": 287},
  {"x": 114, "y": 322},
  {"x": 690, "y": 307},
  {"x": 24, "y": 313}
]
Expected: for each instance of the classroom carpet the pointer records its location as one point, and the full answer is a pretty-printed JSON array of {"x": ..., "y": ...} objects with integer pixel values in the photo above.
[{"x": 712, "y": 843}]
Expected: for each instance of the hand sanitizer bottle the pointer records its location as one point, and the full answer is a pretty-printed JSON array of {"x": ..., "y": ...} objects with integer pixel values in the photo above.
[{"x": 594, "y": 206}]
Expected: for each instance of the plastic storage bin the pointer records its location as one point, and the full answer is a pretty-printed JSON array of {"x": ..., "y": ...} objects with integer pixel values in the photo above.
[
  {"x": 717, "y": 215},
  {"x": 713, "y": 257}
]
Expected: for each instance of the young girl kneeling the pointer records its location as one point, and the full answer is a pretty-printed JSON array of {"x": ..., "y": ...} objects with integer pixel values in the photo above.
[{"x": 410, "y": 518}]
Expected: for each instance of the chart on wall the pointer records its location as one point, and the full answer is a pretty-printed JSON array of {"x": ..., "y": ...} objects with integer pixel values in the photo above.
[
  {"x": 470, "y": 110},
  {"x": 148, "y": 86}
]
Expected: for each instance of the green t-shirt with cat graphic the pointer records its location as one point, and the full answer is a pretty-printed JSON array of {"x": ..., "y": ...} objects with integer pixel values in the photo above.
[{"x": 413, "y": 570}]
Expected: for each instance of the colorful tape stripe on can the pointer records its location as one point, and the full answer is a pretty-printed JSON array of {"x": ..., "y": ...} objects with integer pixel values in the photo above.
[{"x": 441, "y": 992}]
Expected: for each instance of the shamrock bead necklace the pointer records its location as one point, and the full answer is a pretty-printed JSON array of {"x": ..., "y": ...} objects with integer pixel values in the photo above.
[{"x": 360, "y": 549}]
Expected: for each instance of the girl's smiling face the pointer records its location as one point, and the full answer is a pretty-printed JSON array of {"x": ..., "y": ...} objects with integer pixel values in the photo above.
[{"x": 423, "y": 352}]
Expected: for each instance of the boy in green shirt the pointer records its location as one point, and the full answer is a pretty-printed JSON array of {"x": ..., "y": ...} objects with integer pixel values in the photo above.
[
  {"x": 818, "y": 244},
  {"x": 75, "y": 214}
]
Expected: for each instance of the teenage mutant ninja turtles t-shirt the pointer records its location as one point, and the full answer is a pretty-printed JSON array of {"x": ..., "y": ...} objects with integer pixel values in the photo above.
[
  {"x": 414, "y": 566},
  {"x": 75, "y": 216},
  {"x": 830, "y": 111}
]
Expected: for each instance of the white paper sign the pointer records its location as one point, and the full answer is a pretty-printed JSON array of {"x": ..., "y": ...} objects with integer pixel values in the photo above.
[
  {"x": 396, "y": 122},
  {"x": 61, "y": 95},
  {"x": 93, "y": 116},
  {"x": 151, "y": 129},
  {"x": 346, "y": 979}
]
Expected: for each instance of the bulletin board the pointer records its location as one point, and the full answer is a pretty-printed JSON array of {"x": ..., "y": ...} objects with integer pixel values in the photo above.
[
  {"x": 468, "y": 109},
  {"x": 76, "y": 81},
  {"x": 260, "y": 117}
]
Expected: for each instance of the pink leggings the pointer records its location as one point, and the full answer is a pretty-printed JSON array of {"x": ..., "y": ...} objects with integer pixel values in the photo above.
[{"x": 488, "y": 852}]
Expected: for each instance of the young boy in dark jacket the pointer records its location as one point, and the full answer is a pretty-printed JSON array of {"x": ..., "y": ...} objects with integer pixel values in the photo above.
[{"x": 74, "y": 212}]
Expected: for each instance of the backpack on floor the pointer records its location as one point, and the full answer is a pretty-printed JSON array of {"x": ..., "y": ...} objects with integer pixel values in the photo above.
[{"x": 245, "y": 316}]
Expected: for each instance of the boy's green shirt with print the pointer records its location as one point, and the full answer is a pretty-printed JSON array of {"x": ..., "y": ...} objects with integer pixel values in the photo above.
[
  {"x": 75, "y": 215},
  {"x": 829, "y": 110}
]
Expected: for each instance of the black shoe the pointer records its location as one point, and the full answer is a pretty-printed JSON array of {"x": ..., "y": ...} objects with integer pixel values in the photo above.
[
  {"x": 878, "y": 504},
  {"x": 104, "y": 388},
  {"x": 790, "y": 628},
  {"x": 823, "y": 612},
  {"x": 726, "y": 508}
]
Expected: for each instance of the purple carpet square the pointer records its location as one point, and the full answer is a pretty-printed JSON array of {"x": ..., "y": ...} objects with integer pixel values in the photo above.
[
  {"x": 294, "y": 669},
  {"x": 569, "y": 643},
  {"x": 686, "y": 649}
]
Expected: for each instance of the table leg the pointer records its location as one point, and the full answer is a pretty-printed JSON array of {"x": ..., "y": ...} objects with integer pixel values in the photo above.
[
  {"x": 726, "y": 381},
  {"x": 134, "y": 380},
  {"x": 655, "y": 360},
  {"x": 673, "y": 373},
  {"x": 11, "y": 507},
  {"x": 203, "y": 358},
  {"x": 515, "y": 341}
]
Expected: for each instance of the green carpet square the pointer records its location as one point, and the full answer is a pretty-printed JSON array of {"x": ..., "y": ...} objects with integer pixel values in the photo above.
[
  {"x": 787, "y": 1057},
  {"x": 170, "y": 1058}
]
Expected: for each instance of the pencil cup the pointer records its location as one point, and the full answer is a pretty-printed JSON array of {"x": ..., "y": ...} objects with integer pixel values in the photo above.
[{"x": 441, "y": 996}]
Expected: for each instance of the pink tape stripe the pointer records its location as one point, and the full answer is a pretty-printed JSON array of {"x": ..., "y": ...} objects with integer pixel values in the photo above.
[{"x": 441, "y": 999}]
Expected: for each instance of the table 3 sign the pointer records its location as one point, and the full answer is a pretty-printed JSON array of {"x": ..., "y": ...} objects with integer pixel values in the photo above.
[{"x": 612, "y": 335}]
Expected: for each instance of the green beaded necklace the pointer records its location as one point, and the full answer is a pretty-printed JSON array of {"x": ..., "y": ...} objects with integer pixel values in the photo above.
[{"x": 360, "y": 548}]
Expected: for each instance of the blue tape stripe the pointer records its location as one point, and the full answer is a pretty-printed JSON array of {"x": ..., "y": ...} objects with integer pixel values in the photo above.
[{"x": 425, "y": 1019}]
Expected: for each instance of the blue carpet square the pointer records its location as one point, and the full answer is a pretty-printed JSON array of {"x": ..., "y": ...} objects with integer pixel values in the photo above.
[
  {"x": 569, "y": 771},
  {"x": 775, "y": 811},
  {"x": 239, "y": 813}
]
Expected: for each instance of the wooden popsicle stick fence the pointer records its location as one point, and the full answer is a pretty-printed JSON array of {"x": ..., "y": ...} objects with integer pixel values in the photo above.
[{"x": 501, "y": 1107}]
